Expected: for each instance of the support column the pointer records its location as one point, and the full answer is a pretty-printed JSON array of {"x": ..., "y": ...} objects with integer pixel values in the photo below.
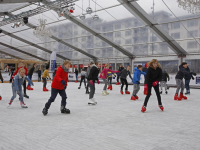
[
  {"x": 123, "y": 62},
  {"x": 15, "y": 66},
  {"x": 115, "y": 64},
  {"x": 180, "y": 61},
  {"x": 72, "y": 67},
  {"x": 78, "y": 66},
  {"x": 101, "y": 64},
  {"x": 131, "y": 65},
  {"x": 2, "y": 65}
]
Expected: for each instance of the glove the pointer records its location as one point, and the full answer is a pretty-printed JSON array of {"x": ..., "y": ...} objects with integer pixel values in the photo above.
[
  {"x": 145, "y": 87},
  {"x": 91, "y": 82},
  {"x": 192, "y": 78},
  {"x": 138, "y": 82},
  {"x": 155, "y": 83},
  {"x": 194, "y": 74},
  {"x": 63, "y": 82},
  {"x": 98, "y": 81}
]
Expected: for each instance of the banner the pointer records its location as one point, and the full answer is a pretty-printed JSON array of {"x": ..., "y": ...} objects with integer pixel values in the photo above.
[{"x": 52, "y": 61}]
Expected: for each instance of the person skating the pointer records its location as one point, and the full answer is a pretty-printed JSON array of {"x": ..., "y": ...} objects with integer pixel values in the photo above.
[
  {"x": 145, "y": 70},
  {"x": 39, "y": 74},
  {"x": 11, "y": 72},
  {"x": 163, "y": 82},
  {"x": 92, "y": 77},
  {"x": 136, "y": 81},
  {"x": 103, "y": 75},
  {"x": 188, "y": 77},
  {"x": 83, "y": 74},
  {"x": 118, "y": 74},
  {"x": 109, "y": 78},
  {"x": 17, "y": 87},
  {"x": 59, "y": 85},
  {"x": 153, "y": 76},
  {"x": 1, "y": 77},
  {"x": 123, "y": 74},
  {"x": 87, "y": 74},
  {"x": 30, "y": 74},
  {"x": 76, "y": 73},
  {"x": 44, "y": 78},
  {"x": 179, "y": 81},
  {"x": 22, "y": 65}
]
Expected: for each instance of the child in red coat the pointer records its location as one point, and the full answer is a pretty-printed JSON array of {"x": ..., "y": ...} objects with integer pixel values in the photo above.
[{"x": 59, "y": 85}]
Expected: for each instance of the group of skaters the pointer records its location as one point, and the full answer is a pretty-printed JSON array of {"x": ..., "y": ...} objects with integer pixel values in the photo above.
[{"x": 152, "y": 72}]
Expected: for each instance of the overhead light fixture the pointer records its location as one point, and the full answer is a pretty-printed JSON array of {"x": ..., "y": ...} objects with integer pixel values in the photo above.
[
  {"x": 89, "y": 9},
  {"x": 25, "y": 20},
  {"x": 95, "y": 17},
  {"x": 71, "y": 10},
  {"x": 13, "y": 25},
  {"x": 82, "y": 16}
]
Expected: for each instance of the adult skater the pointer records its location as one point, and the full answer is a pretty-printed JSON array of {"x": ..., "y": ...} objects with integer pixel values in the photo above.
[
  {"x": 11, "y": 72},
  {"x": 76, "y": 73},
  {"x": 188, "y": 77},
  {"x": 44, "y": 78},
  {"x": 103, "y": 75},
  {"x": 22, "y": 65},
  {"x": 83, "y": 74},
  {"x": 153, "y": 76},
  {"x": 17, "y": 87},
  {"x": 39, "y": 74},
  {"x": 118, "y": 74},
  {"x": 92, "y": 77},
  {"x": 163, "y": 82},
  {"x": 179, "y": 81},
  {"x": 123, "y": 74},
  {"x": 87, "y": 74},
  {"x": 145, "y": 70},
  {"x": 59, "y": 85},
  {"x": 30, "y": 74},
  {"x": 109, "y": 78},
  {"x": 136, "y": 81}
]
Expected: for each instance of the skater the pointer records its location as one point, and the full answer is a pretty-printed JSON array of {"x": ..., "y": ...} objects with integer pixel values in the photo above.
[
  {"x": 22, "y": 65},
  {"x": 59, "y": 85},
  {"x": 163, "y": 82},
  {"x": 1, "y": 81},
  {"x": 17, "y": 87},
  {"x": 11, "y": 72},
  {"x": 44, "y": 78},
  {"x": 87, "y": 74},
  {"x": 76, "y": 73},
  {"x": 103, "y": 75},
  {"x": 136, "y": 81},
  {"x": 188, "y": 77},
  {"x": 83, "y": 74},
  {"x": 92, "y": 77},
  {"x": 109, "y": 78},
  {"x": 153, "y": 76},
  {"x": 123, "y": 74},
  {"x": 179, "y": 81},
  {"x": 118, "y": 74},
  {"x": 39, "y": 74},
  {"x": 145, "y": 70},
  {"x": 30, "y": 74}
]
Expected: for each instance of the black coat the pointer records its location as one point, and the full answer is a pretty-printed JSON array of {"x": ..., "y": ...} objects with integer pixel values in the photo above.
[
  {"x": 94, "y": 72},
  {"x": 120, "y": 69},
  {"x": 165, "y": 76},
  {"x": 39, "y": 72},
  {"x": 124, "y": 73},
  {"x": 76, "y": 72},
  {"x": 188, "y": 76},
  {"x": 182, "y": 73},
  {"x": 153, "y": 75},
  {"x": 30, "y": 72}
]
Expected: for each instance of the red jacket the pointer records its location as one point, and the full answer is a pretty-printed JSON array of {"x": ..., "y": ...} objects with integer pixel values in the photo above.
[
  {"x": 60, "y": 75},
  {"x": 26, "y": 70}
]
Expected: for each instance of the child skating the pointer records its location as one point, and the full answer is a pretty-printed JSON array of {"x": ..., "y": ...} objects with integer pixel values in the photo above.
[
  {"x": 30, "y": 74},
  {"x": 83, "y": 74},
  {"x": 136, "y": 81},
  {"x": 17, "y": 87},
  {"x": 145, "y": 70},
  {"x": 118, "y": 74},
  {"x": 44, "y": 78},
  {"x": 109, "y": 78},
  {"x": 59, "y": 85},
  {"x": 153, "y": 76},
  {"x": 163, "y": 82},
  {"x": 87, "y": 74}
]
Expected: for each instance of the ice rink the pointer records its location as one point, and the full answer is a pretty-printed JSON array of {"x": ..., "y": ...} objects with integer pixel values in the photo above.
[{"x": 115, "y": 123}]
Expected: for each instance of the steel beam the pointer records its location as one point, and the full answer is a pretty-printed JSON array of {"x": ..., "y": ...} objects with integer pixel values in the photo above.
[
  {"x": 18, "y": 1},
  {"x": 10, "y": 55},
  {"x": 138, "y": 12}
]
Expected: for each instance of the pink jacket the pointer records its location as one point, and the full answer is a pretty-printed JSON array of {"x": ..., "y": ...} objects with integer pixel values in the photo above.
[{"x": 103, "y": 74}]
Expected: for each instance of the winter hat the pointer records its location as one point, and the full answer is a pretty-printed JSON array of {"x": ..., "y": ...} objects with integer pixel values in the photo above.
[
  {"x": 47, "y": 67},
  {"x": 146, "y": 65}
]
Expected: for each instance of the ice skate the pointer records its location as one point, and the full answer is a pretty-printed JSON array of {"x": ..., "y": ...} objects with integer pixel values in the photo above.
[
  {"x": 28, "y": 87},
  {"x": 117, "y": 83},
  {"x": 108, "y": 87},
  {"x": 23, "y": 105},
  {"x": 166, "y": 92},
  {"x": 122, "y": 92},
  {"x": 87, "y": 92},
  {"x": 136, "y": 97},
  {"x": 9, "y": 104},
  {"x": 104, "y": 93},
  {"x": 44, "y": 89},
  {"x": 0, "y": 98},
  {"x": 176, "y": 97},
  {"x": 25, "y": 95},
  {"x": 64, "y": 110},
  {"x": 161, "y": 107},
  {"x": 182, "y": 96},
  {"x": 111, "y": 88},
  {"x": 187, "y": 93},
  {"x": 143, "y": 109},
  {"x": 45, "y": 111},
  {"x": 31, "y": 88},
  {"x": 160, "y": 92},
  {"x": 92, "y": 102},
  {"x": 79, "y": 87},
  {"x": 107, "y": 92},
  {"x": 133, "y": 98},
  {"x": 127, "y": 92}
]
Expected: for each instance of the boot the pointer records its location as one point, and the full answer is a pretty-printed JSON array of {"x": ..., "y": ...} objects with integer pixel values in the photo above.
[
  {"x": 104, "y": 93},
  {"x": 182, "y": 97},
  {"x": 64, "y": 110},
  {"x": 9, "y": 104},
  {"x": 176, "y": 97},
  {"x": 76, "y": 81},
  {"x": 0, "y": 98},
  {"x": 28, "y": 87},
  {"x": 117, "y": 83},
  {"x": 166, "y": 92},
  {"x": 111, "y": 88},
  {"x": 161, "y": 107},
  {"x": 136, "y": 97},
  {"x": 44, "y": 89},
  {"x": 133, "y": 98},
  {"x": 92, "y": 102},
  {"x": 143, "y": 109},
  {"x": 79, "y": 87},
  {"x": 87, "y": 92},
  {"x": 107, "y": 92},
  {"x": 108, "y": 87},
  {"x": 23, "y": 105},
  {"x": 145, "y": 92},
  {"x": 127, "y": 92},
  {"x": 187, "y": 93},
  {"x": 160, "y": 92},
  {"x": 25, "y": 95},
  {"x": 45, "y": 111},
  {"x": 122, "y": 92}
]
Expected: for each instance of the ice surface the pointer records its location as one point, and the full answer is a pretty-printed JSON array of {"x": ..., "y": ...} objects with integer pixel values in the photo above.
[{"x": 115, "y": 123}]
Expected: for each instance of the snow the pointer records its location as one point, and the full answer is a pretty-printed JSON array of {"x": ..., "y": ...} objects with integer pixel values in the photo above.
[{"x": 115, "y": 123}]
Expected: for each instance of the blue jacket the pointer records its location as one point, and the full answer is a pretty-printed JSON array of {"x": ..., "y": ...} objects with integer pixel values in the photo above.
[
  {"x": 18, "y": 81},
  {"x": 137, "y": 75}
]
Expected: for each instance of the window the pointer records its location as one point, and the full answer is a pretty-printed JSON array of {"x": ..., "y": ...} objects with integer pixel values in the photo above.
[
  {"x": 194, "y": 65},
  {"x": 83, "y": 39},
  {"x": 192, "y": 44},
  {"x": 192, "y": 23},
  {"x": 176, "y": 35},
  {"x": 193, "y": 33},
  {"x": 128, "y": 33},
  {"x": 76, "y": 40},
  {"x": 118, "y": 42},
  {"x": 128, "y": 24},
  {"x": 83, "y": 32},
  {"x": 118, "y": 26},
  {"x": 75, "y": 54},
  {"x": 175, "y": 25},
  {"x": 129, "y": 41},
  {"x": 117, "y": 34},
  {"x": 75, "y": 32},
  {"x": 153, "y": 39}
]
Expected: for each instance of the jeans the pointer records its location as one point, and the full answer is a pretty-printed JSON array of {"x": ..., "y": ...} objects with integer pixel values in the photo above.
[
  {"x": 76, "y": 77},
  {"x": 54, "y": 93},
  {"x": 187, "y": 85},
  {"x": 20, "y": 93},
  {"x": 110, "y": 80},
  {"x": 180, "y": 85},
  {"x": 136, "y": 88},
  {"x": 44, "y": 82},
  {"x": 92, "y": 90},
  {"x": 82, "y": 79},
  {"x": 30, "y": 77},
  {"x": 105, "y": 84},
  {"x": 39, "y": 78},
  {"x": 124, "y": 81}
]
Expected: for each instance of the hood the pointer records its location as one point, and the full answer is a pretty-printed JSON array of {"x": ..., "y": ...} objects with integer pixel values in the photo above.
[
  {"x": 181, "y": 67},
  {"x": 65, "y": 69},
  {"x": 136, "y": 69},
  {"x": 94, "y": 65}
]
